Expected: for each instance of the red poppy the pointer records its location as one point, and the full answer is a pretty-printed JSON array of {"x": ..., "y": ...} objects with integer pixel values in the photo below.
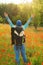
[
  {"x": 29, "y": 63},
  {"x": 42, "y": 63},
  {"x": 3, "y": 50}
]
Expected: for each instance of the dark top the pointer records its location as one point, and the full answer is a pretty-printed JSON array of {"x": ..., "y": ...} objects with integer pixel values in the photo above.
[{"x": 15, "y": 38}]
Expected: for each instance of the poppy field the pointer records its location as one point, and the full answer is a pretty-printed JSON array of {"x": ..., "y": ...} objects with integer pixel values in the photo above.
[{"x": 33, "y": 46}]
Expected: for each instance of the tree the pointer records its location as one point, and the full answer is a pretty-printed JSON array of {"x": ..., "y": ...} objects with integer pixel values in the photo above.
[
  {"x": 1, "y": 20},
  {"x": 41, "y": 23}
]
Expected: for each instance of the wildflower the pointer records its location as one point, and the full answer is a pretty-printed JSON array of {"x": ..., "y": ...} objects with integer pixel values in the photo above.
[
  {"x": 29, "y": 64},
  {"x": 42, "y": 63}
]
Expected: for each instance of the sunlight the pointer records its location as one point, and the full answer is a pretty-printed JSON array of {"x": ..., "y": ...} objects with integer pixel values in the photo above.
[
  {"x": 15, "y": 1},
  {"x": 21, "y": 1},
  {"x": 29, "y": 1},
  {"x": 12, "y": 1}
]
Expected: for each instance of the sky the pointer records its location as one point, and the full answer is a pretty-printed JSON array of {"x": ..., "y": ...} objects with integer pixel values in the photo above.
[{"x": 15, "y": 1}]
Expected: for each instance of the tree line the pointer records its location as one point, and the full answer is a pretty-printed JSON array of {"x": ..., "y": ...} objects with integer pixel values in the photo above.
[{"x": 23, "y": 12}]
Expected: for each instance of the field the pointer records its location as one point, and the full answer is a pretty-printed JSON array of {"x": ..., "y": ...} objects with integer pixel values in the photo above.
[{"x": 33, "y": 45}]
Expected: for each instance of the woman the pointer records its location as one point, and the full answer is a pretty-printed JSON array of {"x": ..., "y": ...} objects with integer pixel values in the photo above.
[{"x": 18, "y": 35}]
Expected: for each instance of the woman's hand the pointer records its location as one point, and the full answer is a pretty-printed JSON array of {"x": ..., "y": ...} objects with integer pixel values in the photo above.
[
  {"x": 32, "y": 15},
  {"x": 5, "y": 14}
]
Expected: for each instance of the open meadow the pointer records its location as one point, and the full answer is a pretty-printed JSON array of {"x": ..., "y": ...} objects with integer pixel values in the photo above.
[{"x": 34, "y": 46}]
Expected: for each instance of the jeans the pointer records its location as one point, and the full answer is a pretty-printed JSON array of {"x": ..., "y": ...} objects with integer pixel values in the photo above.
[{"x": 17, "y": 50}]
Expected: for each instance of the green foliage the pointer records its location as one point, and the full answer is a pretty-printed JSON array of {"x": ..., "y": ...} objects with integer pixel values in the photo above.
[
  {"x": 1, "y": 20},
  {"x": 15, "y": 18},
  {"x": 41, "y": 23},
  {"x": 23, "y": 12},
  {"x": 36, "y": 61}
]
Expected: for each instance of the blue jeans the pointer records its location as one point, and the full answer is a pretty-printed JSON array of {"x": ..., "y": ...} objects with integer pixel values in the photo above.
[{"x": 19, "y": 49}]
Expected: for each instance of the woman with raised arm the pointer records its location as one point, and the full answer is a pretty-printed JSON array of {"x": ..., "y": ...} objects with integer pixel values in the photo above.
[{"x": 18, "y": 38}]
